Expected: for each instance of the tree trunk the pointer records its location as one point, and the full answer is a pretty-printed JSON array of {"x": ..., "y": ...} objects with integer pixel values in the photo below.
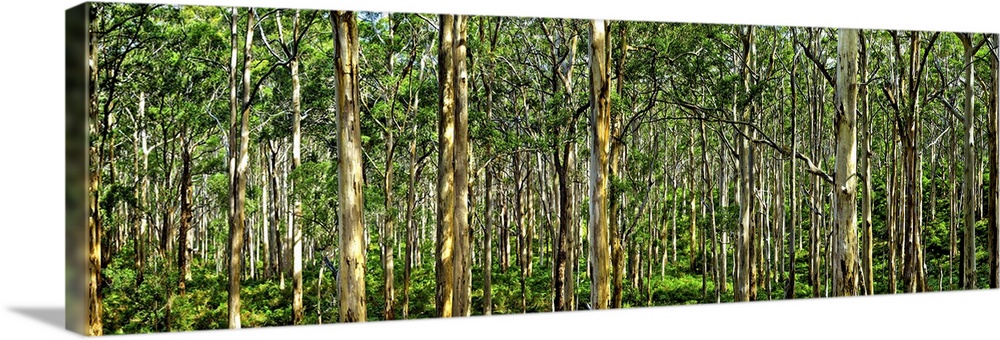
[
  {"x": 444, "y": 267},
  {"x": 815, "y": 223},
  {"x": 563, "y": 266},
  {"x": 915, "y": 278},
  {"x": 351, "y": 278},
  {"x": 410, "y": 232},
  {"x": 845, "y": 276},
  {"x": 186, "y": 233},
  {"x": 744, "y": 289},
  {"x": 238, "y": 163},
  {"x": 993, "y": 229},
  {"x": 615, "y": 197},
  {"x": 867, "y": 274},
  {"x": 462, "y": 231},
  {"x": 296, "y": 220},
  {"x": 520, "y": 198},
  {"x": 895, "y": 215},
  {"x": 505, "y": 231},
  {"x": 707, "y": 178},
  {"x": 565, "y": 166},
  {"x": 792, "y": 185},
  {"x": 968, "y": 146},
  {"x": 693, "y": 193},
  {"x": 488, "y": 238},
  {"x": 600, "y": 131},
  {"x": 94, "y": 302},
  {"x": 265, "y": 209},
  {"x": 673, "y": 212}
]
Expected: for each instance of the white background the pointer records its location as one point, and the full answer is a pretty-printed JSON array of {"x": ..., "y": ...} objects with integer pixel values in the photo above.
[{"x": 32, "y": 201}]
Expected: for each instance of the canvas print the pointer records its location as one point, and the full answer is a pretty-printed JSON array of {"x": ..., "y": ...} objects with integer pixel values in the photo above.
[{"x": 254, "y": 167}]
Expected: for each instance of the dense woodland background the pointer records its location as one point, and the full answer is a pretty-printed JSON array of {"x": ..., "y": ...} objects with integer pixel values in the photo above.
[{"x": 257, "y": 167}]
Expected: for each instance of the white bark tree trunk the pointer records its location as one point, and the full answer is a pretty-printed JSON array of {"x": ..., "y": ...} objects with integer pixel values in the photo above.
[
  {"x": 845, "y": 258},
  {"x": 351, "y": 277}
]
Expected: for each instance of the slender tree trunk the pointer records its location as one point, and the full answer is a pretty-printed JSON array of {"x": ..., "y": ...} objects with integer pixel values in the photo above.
[
  {"x": 600, "y": 132},
  {"x": 520, "y": 198},
  {"x": 673, "y": 212},
  {"x": 488, "y": 239},
  {"x": 707, "y": 178},
  {"x": 412, "y": 243},
  {"x": 792, "y": 185},
  {"x": 692, "y": 190},
  {"x": 444, "y": 267},
  {"x": 993, "y": 229},
  {"x": 296, "y": 220},
  {"x": 410, "y": 232},
  {"x": 238, "y": 163},
  {"x": 505, "y": 231},
  {"x": 265, "y": 209},
  {"x": 615, "y": 197},
  {"x": 351, "y": 276},
  {"x": 462, "y": 231},
  {"x": 845, "y": 276},
  {"x": 186, "y": 233},
  {"x": 562, "y": 282},
  {"x": 94, "y": 302},
  {"x": 867, "y": 273},
  {"x": 968, "y": 146},
  {"x": 895, "y": 217},
  {"x": 577, "y": 244},
  {"x": 744, "y": 287}
]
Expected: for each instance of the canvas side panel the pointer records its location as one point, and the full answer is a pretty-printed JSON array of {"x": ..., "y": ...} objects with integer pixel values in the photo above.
[{"x": 76, "y": 165}]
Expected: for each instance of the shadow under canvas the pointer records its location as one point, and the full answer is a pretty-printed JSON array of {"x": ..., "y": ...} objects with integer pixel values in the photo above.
[{"x": 53, "y": 316}]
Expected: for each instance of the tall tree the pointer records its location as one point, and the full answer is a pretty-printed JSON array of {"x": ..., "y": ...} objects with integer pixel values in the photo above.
[
  {"x": 564, "y": 159},
  {"x": 444, "y": 248},
  {"x": 94, "y": 305},
  {"x": 845, "y": 277},
  {"x": 600, "y": 131},
  {"x": 968, "y": 148},
  {"x": 351, "y": 278},
  {"x": 792, "y": 183},
  {"x": 462, "y": 231},
  {"x": 186, "y": 231},
  {"x": 865, "y": 122},
  {"x": 293, "y": 67},
  {"x": 745, "y": 274},
  {"x": 903, "y": 95},
  {"x": 239, "y": 160},
  {"x": 993, "y": 113}
]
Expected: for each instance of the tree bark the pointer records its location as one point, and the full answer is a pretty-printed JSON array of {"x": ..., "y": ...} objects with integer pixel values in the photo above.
[
  {"x": 462, "y": 231},
  {"x": 865, "y": 122},
  {"x": 94, "y": 302},
  {"x": 488, "y": 238},
  {"x": 693, "y": 196},
  {"x": 600, "y": 131},
  {"x": 186, "y": 233},
  {"x": 410, "y": 232},
  {"x": 744, "y": 289},
  {"x": 845, "y": 276},
  {"x": 792, "y": 184},
  {"x": 444, "y": 247},
  {"x": 565, "y": 166},
  {"x": 296, "y": 220},
  {"x": 993, "y": 229},
  {"x": 351, "y": 278},
  {"x": 707, "y": 178},
  {"x": 968, "y": 147},
  {"x": 238, "y": 163}
]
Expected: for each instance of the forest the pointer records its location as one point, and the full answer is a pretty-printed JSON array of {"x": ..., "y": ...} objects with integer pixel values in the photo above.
[{"x": 253, "y": 167}]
